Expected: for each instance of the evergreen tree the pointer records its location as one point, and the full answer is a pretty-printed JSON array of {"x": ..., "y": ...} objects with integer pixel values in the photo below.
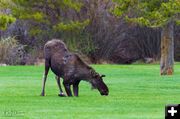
[
  {"x": 156, "y": 14},
  {"x": 53, "y": 14},
  {"x": 5, "y": 18}
]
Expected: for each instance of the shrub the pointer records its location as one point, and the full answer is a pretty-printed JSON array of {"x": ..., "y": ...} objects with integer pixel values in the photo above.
[
  {"x": 6, "y": 44},
  {"x": 11, "y": 52},
  {"x": 16, "y": 55}
]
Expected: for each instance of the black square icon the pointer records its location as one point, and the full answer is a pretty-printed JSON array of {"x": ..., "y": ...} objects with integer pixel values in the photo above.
[{"x": 172, "y": 111}]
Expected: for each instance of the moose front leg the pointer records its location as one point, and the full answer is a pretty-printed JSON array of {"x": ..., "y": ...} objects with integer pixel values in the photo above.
[
  {"x": 76, "y": 88},
  {"x": 67, "y": 88},
  {"x": 47, "y": 66},
  {"x": 59, "y": 85}
]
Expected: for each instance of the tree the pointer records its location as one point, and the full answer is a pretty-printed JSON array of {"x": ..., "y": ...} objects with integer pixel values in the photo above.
[
  {"x": 154, "y": 13},
  {"x": 52, "y": 17},
  {"x": 5, "y": 18}
]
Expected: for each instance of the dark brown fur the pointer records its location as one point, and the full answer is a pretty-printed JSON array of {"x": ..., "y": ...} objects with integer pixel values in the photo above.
[{"x": 71, "y": 68}]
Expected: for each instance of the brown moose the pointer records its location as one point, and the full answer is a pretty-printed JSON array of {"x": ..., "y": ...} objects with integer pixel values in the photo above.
[{"x": 71, "y": 68}]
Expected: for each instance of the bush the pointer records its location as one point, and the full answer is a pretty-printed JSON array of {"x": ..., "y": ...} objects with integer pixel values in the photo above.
[
  {"x": 17, "y": 55},
  {"x": 12, "y": 52},
  {"x": 6, "y": 44}
]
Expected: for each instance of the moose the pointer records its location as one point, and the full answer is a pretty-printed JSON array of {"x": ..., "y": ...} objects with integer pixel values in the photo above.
[{"x": 71, "y": 68}]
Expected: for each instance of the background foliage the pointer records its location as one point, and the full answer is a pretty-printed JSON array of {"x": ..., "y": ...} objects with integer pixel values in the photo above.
[{"x": 101, "y": 30}]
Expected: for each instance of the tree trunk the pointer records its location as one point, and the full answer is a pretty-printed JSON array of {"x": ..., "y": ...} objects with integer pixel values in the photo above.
[{"x": 167, "y": 49}]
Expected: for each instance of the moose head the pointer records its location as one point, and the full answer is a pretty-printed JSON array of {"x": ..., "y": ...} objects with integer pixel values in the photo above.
[{"x": 98, "y": 83}]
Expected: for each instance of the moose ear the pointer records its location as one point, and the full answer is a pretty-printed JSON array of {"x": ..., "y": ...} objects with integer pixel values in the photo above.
[
  {"x": 96, "y": 75},
  {"x": 103, "y": 75}
]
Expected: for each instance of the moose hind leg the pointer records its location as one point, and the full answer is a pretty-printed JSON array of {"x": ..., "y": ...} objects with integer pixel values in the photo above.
[
  {"x": 59, "y": 86},
  {"x": 47, "y": 66},
  {"x": 76, "y": 88}
]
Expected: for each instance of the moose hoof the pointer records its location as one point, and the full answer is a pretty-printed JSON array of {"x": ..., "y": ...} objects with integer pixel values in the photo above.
[
  {"x": 42, "y": 94},
  {"x": 62, "y": 95}
]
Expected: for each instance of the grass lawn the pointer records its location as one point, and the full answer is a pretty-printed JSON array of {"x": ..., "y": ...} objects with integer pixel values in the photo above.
[{"x": 136, "y": 92}]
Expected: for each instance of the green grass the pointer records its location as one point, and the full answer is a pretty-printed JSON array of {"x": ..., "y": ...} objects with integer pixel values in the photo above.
[{"x": 136, "y": 92}]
